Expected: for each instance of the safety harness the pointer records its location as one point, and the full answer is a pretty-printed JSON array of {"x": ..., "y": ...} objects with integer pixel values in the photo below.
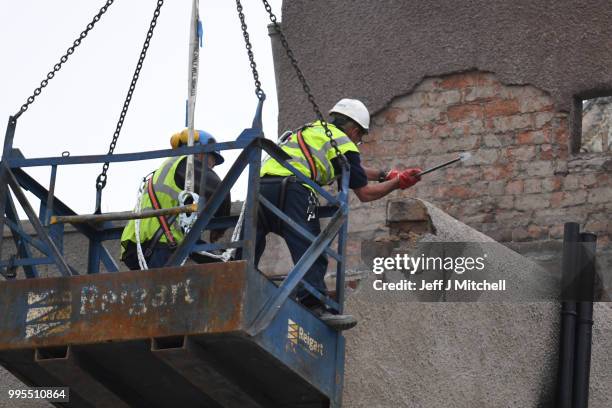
[
  {"x": 306, "y": 152},
  {"x": 163, "y": 222}
]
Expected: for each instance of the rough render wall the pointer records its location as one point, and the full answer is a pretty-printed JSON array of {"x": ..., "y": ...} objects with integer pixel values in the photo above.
[
  {"x": 463, "y": 355},
  {"x": 376, "y": 50},
  {"x": 492, "y": 354}
]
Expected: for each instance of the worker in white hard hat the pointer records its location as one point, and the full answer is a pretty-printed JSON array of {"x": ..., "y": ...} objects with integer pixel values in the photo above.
[{"x": 312, "y": 154}]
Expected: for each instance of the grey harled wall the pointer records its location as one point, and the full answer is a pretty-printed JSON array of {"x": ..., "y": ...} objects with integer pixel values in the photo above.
[{"x": 376, "y": 50}]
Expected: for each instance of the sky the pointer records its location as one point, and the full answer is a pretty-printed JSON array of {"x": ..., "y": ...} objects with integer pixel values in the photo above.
[{"x": 78, "y": 111}]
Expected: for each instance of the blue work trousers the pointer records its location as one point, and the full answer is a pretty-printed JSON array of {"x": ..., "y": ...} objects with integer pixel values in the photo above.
[
  {"x": 159, "y": 257},
  {"x": 295, "y": 206}
]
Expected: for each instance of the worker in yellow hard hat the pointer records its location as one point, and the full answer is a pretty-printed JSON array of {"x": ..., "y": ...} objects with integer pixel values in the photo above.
[
  {"x": 159, "y": 236},
  {"x": 313, "y": 155}
]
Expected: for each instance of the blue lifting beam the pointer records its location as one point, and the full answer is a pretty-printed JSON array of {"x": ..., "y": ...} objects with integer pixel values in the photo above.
[{"x": 218, "y": 335}]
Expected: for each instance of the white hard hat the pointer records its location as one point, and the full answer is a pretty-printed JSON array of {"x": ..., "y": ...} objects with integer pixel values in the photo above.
[{"x": 355, "y": 110}]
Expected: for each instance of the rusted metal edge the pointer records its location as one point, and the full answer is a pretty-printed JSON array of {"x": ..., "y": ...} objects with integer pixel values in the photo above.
[{"x": 193, "y": 299}]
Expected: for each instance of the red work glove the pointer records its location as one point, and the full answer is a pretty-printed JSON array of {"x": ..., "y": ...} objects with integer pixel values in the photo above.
[
  {"x": 392, "y": 174},
  {"x": 408, "y": 178}
]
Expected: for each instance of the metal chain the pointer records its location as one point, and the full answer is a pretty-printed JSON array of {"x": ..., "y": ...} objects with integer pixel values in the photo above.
[
  {"x": 302, "y": 80},
  {"x": 258, "y": 91},
  {"x": 101, "y": 180},
  {"x": 63, "y": 59}
]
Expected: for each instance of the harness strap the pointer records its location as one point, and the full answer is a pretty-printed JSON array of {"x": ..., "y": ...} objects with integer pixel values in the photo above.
[
  {"x": 155, "y": 240},
  {"x": 306, "y": 152},
  {"x": 161, "y": 218}
]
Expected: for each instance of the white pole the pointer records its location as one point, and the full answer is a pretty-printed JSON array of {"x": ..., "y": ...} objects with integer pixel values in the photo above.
[{"x": 192, "y": 89}]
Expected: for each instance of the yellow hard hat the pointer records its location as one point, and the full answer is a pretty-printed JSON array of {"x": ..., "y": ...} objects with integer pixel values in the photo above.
[
  {"x": 199, "y": 136},
  {"x": 181, "y": 138}
]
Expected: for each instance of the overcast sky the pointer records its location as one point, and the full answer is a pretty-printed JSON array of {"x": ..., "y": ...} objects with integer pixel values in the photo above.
[{"x": 78, "y": 110}]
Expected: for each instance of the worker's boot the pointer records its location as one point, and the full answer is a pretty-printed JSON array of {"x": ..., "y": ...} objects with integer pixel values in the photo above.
[{"x": 338, "y": 322}]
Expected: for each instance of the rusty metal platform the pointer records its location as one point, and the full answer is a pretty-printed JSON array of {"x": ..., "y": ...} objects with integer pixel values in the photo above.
[{"x": 166, "y": 338}]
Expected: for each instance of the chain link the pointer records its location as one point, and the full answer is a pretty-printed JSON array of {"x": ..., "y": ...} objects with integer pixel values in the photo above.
[
  {"x": 101, "y": 180},
  {"x": 63, "y": 59},
  {"x": 247, "y": 41},
  {"x": 303, "y": 81}
]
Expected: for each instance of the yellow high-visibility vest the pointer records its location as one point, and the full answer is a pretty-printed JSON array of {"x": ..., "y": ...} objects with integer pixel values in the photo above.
[
  {"x": 167, "y": 193},
  {"x": 320, "y": 150}
]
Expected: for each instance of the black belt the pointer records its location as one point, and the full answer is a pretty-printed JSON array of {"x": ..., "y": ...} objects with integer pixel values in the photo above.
[{"x": 282, "y": 195}]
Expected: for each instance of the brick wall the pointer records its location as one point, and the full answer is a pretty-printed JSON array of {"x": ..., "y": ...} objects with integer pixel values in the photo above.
[{"x": 522, "y": 182}]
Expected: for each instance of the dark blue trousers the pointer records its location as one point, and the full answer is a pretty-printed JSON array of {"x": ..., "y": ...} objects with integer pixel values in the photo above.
[
  {"x": 295, "y": 206},
  {"x": 159, "y": 257}
]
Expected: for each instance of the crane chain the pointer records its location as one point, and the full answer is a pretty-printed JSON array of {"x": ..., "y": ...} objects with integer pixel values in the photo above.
[
  {"x": 101, "y": 179},
  {"x": 302, "y": 79},
  {"x": 249, "y": 47},
  {"x": 63, "y": 59}
]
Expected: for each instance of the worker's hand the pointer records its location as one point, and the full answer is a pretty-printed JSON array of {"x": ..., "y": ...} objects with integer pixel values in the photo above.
[
  {"x": 409, "y": 178},
  {"x": 216, "y": 235},
  {"x": 392, "y": 174}
]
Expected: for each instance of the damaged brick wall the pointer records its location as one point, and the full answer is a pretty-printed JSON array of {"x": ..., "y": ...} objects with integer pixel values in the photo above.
[{"x": 522, "y": 183}]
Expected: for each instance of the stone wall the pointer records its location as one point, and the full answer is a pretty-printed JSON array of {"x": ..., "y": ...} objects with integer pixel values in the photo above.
[{"x": 521, "y": 183}]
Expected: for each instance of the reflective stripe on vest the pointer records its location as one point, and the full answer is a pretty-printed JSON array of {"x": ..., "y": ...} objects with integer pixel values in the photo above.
[
  {"x": 160, "y": 186},
  {"x": 321, "y": 155}
]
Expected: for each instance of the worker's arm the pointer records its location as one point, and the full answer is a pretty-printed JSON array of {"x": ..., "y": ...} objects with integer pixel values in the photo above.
[
  {"x": 372, "y": 173},
  {"x": 404, "y": 179},
  {"x": 360, "y": 175},
  {"x": 371, "y": 192}
]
